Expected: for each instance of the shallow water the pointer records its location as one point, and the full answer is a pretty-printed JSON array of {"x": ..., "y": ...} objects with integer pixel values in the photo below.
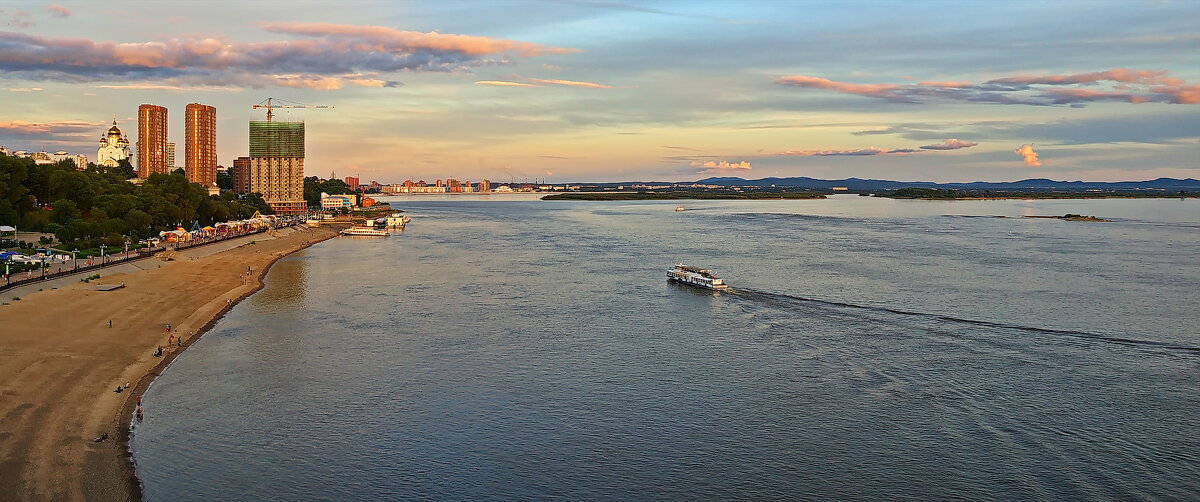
[{"x": 520, "y": 349}]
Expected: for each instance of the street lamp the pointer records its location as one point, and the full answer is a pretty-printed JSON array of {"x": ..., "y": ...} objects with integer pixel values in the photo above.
[{"x": 102, "y": 255}]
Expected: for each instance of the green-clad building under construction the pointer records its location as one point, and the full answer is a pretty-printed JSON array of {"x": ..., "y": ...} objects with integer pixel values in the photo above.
[{"x": 277, "y": 164}]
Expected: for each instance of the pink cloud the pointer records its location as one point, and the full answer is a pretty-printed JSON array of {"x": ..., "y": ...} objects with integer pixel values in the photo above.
[
  {"x": 332, "y": 56},
  {"x": 385, "y": 39},
  {"x": 1130, "y": 86},
  {"x": 504, "y": 83},
  {"x": 58, "y": 10},
  {"x": 1114, "y": 75},
  {"x": 956, "y": 83},
  {"x": 876, "y": 90}
]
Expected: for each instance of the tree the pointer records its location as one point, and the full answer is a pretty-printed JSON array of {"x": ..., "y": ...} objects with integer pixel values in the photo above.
[
  {"x": 256, "y": 202},
  {"x": 65, "y": 211},
  {"x": 178, "y": 170},
  {"x": 224, "y": 180}
]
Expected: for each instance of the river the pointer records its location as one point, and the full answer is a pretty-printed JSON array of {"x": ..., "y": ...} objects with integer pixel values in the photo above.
[{"x": 504, "y": 348}]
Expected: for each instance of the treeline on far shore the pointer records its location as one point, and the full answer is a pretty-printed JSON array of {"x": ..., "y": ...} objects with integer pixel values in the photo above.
[
  {"x": 938, "y": 193},
  {"x": 684, "y": 195},
  {"x": 84, "y": 209}
]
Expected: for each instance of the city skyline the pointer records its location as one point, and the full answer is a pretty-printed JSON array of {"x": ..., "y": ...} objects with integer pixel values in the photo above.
[{"x": 607, "y": 91}]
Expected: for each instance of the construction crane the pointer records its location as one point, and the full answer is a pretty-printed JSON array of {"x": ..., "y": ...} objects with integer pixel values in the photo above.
[{"x": 270, "y": 105}]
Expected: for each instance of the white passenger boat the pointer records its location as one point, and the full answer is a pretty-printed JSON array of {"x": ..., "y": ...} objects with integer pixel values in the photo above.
[
  {"x": 365, "y": 231},
  {"x": 695, "y": 276}
]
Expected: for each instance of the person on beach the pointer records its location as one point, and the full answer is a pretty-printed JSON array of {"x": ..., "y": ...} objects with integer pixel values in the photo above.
[
  {"x": 139, "y": 413},
  {"x": 110, "y": 323},
  {"x": 139, "y": 400}
]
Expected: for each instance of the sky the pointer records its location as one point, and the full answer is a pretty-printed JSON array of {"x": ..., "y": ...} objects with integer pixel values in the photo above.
[{"x": 598, "y": 90}]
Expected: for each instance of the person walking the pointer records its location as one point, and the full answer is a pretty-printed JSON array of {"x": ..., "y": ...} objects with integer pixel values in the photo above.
[{"x": 110, "y": 323}]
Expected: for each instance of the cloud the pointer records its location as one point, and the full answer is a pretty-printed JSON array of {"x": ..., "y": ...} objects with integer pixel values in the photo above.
[
  {"x": 1130, "y": 86},
  {"x": 884, "y": 91},
  {"x": 539, "y": 82},
  {"x": 649, "y": 10},
  {"x": 1030, "y": 156},
  {"x": 390, "y": 40},
  {"x": 58, "y": 10},
  {"x": 504, "y": 83},
  {"x": 324, "y": 56},
  {"x": 950, "y": 144},
  {"x": 571, "y": 83},
  {"x": 23, "y": 89},
  {"x": 722, "y": 166},
  {"x": 19, "y": 20},
  {"x": 40, "y": 130},
  {"x": 841, "y": 153}
]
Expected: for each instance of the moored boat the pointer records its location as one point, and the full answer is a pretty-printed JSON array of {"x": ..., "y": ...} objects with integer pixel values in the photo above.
[{"x": 696, "y": 276}]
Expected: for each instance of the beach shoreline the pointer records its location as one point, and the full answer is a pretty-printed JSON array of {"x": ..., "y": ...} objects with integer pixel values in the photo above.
[{"x": 57, "y": 371}]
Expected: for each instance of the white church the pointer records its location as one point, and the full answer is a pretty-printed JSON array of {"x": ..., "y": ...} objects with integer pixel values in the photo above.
[{"x": 114, "y": 147}]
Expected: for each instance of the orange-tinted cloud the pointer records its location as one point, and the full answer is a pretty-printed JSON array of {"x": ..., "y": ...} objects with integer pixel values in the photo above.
[
  {"x": 504, "y": 83},
  {"x": 332, "y": 55},
  {"x": 385, "y": 39},
  {"x": 1130, "y": 86},
  {"x": 722, "y": 166},
  {"x": 570, "y": 83},
  {"x": 1028, "y": 155}
]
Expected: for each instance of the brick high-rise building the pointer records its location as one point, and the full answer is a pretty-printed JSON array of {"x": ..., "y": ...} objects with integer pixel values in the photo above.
[
  {"x": 240, "y": 172},
  {"x": 352, "y": 182},
  {"x": 152, "y": 140},
  {"x": 200, "y": 144},
  {"x": 485, "y": 186},
  {"x": 277, "y": 164}
]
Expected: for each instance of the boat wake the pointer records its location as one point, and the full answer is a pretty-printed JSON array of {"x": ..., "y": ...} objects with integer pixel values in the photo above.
[{"x": 778, "y": 297}]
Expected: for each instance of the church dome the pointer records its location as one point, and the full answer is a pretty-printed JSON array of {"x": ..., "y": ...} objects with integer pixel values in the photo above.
[{"x": 114, "y": 131}]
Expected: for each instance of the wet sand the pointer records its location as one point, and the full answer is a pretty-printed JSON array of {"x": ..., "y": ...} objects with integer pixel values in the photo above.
[{"x": 60, "y": 363}]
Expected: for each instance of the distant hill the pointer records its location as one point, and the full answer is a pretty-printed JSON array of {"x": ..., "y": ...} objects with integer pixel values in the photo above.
[{"x": 1033, "y": 184}]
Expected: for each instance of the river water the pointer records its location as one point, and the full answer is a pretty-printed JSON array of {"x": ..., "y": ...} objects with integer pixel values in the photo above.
[{"x": 504, "y": 348}]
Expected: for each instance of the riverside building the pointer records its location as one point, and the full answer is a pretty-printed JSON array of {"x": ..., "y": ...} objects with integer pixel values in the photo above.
[
  {"x": 277, "y": 164},
  {"x": 200, "y": 144},
  {"x": 240, "y": 172},
  {"x": 152, "y": 140}
]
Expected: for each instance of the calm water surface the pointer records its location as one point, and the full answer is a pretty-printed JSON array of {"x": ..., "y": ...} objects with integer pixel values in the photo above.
[{"x": 508, "y": 349}]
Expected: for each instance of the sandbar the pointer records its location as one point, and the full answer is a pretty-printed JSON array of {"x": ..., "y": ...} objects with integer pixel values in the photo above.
[{"x": 60, "y": 362}]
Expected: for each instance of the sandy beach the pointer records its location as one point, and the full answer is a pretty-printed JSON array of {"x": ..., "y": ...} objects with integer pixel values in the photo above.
[{"x": 60, "y": 362}]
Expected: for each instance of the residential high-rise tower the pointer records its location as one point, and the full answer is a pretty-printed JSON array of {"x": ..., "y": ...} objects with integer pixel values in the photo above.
[
  {"x": 152, "y": 140},
  {"x": 200, "y": 147}
]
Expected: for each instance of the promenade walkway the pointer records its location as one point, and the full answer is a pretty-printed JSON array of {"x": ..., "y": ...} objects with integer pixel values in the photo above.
[{"x": 133, "y": 265}]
